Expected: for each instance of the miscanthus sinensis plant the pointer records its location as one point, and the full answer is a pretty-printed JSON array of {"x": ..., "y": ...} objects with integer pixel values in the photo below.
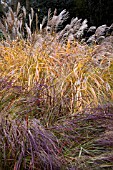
[
  {"x": 19, "y": 24},
  {"x": 73, "y": 79},
  {"x": 14, "y": 24}
]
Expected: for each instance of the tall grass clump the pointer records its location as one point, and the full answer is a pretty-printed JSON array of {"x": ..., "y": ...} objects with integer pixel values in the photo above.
[{"x": 72, "y": 79}]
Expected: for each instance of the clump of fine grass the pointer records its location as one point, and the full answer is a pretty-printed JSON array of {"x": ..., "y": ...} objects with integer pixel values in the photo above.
[
  {"x": 23, "y": 146},
  {"x": 72, "y": 78},
  {"x": 87, "y": 139},
  {"x": 24, "y": 141}
]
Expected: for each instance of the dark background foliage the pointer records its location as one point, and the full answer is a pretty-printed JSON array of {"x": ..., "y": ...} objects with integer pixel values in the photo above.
[{"x": 97, "y": 12}]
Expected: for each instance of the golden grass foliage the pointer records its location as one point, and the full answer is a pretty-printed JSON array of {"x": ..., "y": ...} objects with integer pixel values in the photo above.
[{"x": 68, "y": 71}]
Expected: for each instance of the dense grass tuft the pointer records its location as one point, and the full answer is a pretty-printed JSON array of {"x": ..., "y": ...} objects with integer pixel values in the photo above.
[
  {"x": 87, "y": 139},
  {"x": 24, "y": 142},
  {"x": 72, "y": 78}
]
